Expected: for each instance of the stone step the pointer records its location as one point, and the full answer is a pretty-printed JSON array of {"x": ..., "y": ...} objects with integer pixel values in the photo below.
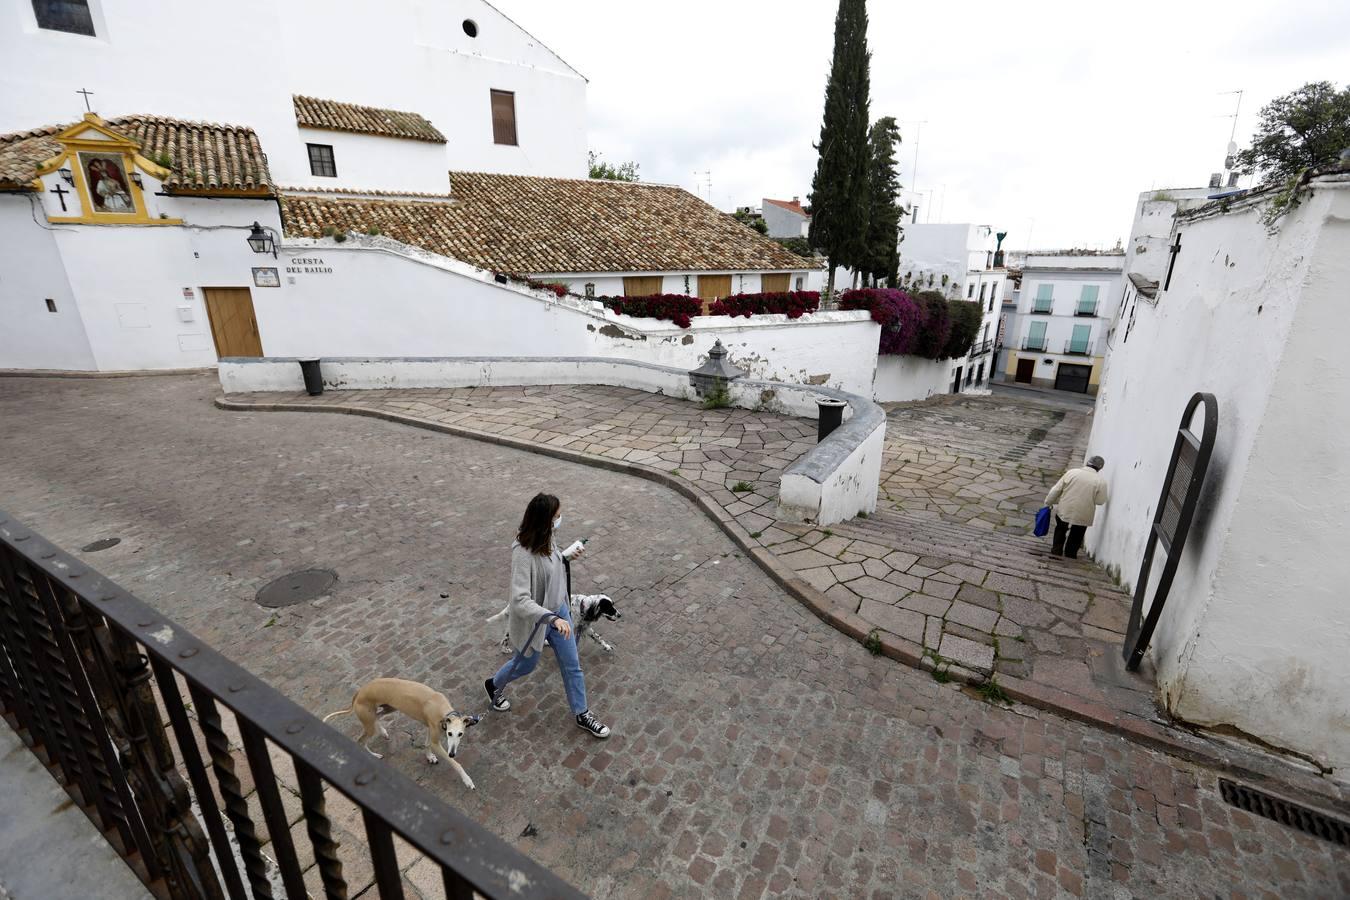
[{"x": 1007, "y": 554}]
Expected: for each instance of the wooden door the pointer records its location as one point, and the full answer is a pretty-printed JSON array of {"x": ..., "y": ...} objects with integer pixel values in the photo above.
[
  {"x": 713, "y": 287},
  {"x": 642, "y": 285},
  {"x": 233, "y": 324},
  {"x": 1025, "y": 369},
  {"x": 1072, "y": 378},
  {"x": 775, "y": 283}
]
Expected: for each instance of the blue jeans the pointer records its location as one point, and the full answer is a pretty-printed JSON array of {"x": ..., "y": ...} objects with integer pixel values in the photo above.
[{"x": 565, "y": 651}]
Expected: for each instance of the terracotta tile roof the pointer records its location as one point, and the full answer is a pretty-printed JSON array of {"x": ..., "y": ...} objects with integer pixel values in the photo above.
[
  {"x": 528, "y": 225},
  {"x": 331, "y": 115},
  {"x": 790, "y": 206},
  {"x": 204, "y": 156}
]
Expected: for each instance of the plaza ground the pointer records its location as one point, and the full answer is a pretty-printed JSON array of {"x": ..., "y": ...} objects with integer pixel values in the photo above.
[{"x": 757, "y": 751}]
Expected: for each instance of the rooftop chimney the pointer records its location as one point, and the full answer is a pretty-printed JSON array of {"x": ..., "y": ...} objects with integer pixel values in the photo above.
[
  {"x": 1232, "y": 179},
  {"x": 796, "y": 199},
  {"x": 1216, "y": 180}
]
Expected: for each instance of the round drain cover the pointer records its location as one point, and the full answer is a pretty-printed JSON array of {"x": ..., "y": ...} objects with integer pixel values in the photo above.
[
  {"x": 297, "y": 587},
  {"x": 102, "y": 544}
]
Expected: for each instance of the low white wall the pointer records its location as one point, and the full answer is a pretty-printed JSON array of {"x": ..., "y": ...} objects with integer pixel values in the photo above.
[
  {"x": 373, "y": 297},
  {"x": 1255, "y": 627},
  {"x": 903, "y": 378},
  {"x": 834, "y": 481}
]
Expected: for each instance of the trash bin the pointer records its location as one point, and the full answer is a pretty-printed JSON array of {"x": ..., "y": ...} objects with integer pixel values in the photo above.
[
  {"x": 313, "y": 376},
  {"x": 831, "y": 417}
]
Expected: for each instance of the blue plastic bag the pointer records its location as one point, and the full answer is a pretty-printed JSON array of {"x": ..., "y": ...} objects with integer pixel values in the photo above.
[{"x": 1042, "y": 522}]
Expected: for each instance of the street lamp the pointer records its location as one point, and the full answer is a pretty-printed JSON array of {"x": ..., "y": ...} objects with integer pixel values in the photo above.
[{"x": 261, "y": 241}]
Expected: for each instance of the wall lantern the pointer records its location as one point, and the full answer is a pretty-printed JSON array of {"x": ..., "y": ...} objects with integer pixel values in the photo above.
[
  {"x": 136, "y": 179},
  {"x": 67, "y": 175},
  {"x": 261, "y": 241}
]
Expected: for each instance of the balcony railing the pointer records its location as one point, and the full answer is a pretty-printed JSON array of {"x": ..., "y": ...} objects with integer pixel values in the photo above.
[
  {"x": 85, "y": 669},
  {"x": 979, "y": 348},
  {"x": 1075, "y": 348},
  {"x": 1086, "y": 310},
  {"x": 1042, "y": 309},
  {"x": 1037, "y": 344}
]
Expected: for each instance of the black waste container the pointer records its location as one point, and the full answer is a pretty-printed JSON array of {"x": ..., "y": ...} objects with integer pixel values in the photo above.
[
  {"x": 831, "y": 417},
  {"x": 313, "y": 377}
]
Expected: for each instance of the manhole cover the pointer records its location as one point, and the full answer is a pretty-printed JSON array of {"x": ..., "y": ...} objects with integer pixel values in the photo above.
[
  {"x": 297, "y": 587},
  {"x": 102, "y": 544}
]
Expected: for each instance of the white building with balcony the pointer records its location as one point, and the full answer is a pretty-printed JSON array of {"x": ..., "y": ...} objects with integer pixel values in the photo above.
[
  {"x": 963, "y": 261},
  {"x": 1065, "y": 308}
]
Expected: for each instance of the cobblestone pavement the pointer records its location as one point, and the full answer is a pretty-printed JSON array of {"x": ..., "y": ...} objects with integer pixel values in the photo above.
[
  {"x": 944, "y": 566},
  {"x": 757, "y": 751}
]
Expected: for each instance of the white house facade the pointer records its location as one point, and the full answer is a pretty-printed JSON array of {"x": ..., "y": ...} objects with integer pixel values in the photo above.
[
  {"x": 510, "y": 103},
  {"x": 1254, "y": 632},
  {"x": 1065, "y": 306},
  {"x": 963, "y": 261},
  {"x": 785, "y": 218}
]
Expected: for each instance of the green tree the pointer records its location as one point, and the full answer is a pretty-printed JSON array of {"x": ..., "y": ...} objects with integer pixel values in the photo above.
[
  {"x": 839, "y": 202},
  {"x": 627, "y": 171},
  {"x": 1305, "y": 128},
  {"x": 745, "y": 217},
  {"x": 966, "y": 317},
  {"x": 882, "y": 252}
]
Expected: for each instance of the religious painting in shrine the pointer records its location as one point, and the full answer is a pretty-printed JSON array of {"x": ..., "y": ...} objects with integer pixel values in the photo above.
[{"x": 109, "y": 187}]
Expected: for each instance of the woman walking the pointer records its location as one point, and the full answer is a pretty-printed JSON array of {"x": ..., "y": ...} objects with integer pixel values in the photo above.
[{"x": 539, "y": 612}]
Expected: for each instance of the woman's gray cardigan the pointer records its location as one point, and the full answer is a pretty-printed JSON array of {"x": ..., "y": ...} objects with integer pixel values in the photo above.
[{"x": 538, "y": 588}]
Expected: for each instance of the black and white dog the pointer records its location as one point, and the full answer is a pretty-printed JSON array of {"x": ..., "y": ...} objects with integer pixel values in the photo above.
[{"x": 586, "y": 609}]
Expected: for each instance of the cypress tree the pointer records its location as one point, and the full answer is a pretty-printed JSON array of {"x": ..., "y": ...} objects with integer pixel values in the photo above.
[
  {"x": 882, "y": 256},
  {"x": 839, "y": 201}
]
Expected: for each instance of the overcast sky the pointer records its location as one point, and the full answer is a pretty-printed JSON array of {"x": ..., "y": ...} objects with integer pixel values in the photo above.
[{"x": 1042, "y": 118}]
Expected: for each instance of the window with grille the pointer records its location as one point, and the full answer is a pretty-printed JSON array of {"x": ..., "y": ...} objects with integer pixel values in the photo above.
[
  {"x": 504, "y": 118},
  {"x": 321, "y": 160},
  {"x": 1087, "y": 300},
  {"x": 71, "y": 16},
  {"x": 1045, "y": 294}
]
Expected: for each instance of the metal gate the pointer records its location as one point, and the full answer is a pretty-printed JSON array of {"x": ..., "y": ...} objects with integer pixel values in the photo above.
[
  {"x": 1074, "y": 378},
  {"x": 1171, "y": 522}
]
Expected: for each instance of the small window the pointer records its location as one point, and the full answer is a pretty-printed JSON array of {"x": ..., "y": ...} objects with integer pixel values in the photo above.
[
  {"x": 983, "y": 289},
  {"x": 71, "y": 16},
  {"x": 801, "y": 281},
  {"x": 51, "y": 305},
  {"x": 504, "y": 118},
  {"x": 470, "y": 27},
  {"x": 970, "y": 291},
  {"x": 321, "y": 160}
]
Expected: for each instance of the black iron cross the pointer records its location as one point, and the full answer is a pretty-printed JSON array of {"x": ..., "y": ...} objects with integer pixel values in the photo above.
[
  {"x": 1171, "y": 264},
  {"x": 87, "y": 95},
  {"x": 60, "y": 193}
]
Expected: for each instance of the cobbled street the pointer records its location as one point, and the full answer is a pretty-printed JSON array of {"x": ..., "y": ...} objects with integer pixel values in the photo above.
[{"x": 757, "y": 752}]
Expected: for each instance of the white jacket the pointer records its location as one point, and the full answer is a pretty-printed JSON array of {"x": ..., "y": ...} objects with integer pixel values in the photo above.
[{"x": 1077, "y": 495}]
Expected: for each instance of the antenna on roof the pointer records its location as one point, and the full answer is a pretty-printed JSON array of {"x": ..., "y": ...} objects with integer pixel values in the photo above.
[{"x": 1230, "y": 159}]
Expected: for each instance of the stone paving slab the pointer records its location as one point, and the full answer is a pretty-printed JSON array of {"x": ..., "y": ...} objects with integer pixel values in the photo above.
[{"x": 757, "y": 751}]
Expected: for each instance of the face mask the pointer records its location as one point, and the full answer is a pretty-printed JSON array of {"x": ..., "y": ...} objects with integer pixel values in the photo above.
[{"x": 557, "y": 522}]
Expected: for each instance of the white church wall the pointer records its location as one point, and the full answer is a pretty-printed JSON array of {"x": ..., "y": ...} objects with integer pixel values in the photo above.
[
  {"x": 31, "y": 336},
  {"x": 369, "y": 162},
  {"x": 1255, "y": 627}
]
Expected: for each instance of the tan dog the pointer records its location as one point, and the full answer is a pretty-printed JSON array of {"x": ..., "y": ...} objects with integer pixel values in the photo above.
[{"x": 417, "y": 701}]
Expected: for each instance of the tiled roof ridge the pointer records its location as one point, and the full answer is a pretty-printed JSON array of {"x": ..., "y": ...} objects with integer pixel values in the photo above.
[
  {"x": 52, "y": 130},
  {"x": 359, "y": 118},
  {"x": 615, "y": 181},
  {"x": 362, "y": 193}
]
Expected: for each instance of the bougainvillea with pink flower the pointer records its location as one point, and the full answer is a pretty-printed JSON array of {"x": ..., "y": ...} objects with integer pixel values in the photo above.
[
  {"x": 676, "y": 308},
  {"x": 793, "y": 304},
  {"x": 899, "y": 316}
]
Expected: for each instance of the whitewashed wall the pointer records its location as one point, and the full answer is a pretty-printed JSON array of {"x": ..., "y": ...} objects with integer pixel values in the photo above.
[
  {"x": 383, "y": 299},
  {"x": 120, "y": 289},
  {"x": 609, "y": 284},
  {"x": 1255, "y": 629},
  {"x": 366, "y": 162},
  {"x": 904, "y": 378}
]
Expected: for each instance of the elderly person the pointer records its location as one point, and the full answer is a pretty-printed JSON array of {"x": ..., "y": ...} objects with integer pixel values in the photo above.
[
  {"x": 539, "y": 613},
  {"x": 1075, "y": 498}
]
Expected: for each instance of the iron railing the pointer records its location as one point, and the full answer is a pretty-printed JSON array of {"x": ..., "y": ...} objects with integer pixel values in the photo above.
[
  {"x": 1073, "y": 349},
  {"x": 981, "y": 347},
  {"x": 1085, "y": 310},
  {"x": 84, "y": 670},
  {"x": 1042, "y": 310},
  {"x": 1034, "y": 344}
]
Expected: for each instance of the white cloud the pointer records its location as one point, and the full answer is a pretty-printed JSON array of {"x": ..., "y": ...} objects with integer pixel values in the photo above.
[{"x": 1052, "y": 113}]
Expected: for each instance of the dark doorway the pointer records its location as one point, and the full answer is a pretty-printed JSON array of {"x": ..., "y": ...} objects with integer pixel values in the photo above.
[
  {"x": 956, "y": 384},
  {"x": 1072, "y": 378},
  {"x": 1025, "y": 369}
]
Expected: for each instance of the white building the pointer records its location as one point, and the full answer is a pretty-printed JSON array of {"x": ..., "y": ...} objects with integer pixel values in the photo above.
[
  {"x": 1255, "y": 630},
  {"x": 509, "y": 103},
  {"x": 1065, "y": 307},
  {"x": 962, "y": 261},
  {"x": 785, "y": 218}
]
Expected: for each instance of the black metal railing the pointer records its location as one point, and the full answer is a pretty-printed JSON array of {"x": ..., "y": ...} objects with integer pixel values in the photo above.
[
  {"x": 1073, "y": 349},
  {"x": 1033, "y": 344},
  {"x": 1039, "y": 310},
  {"x": 84, "y": 670},
  {"x": 981, "y": 347},
  {"x": 1086, "y": 310}
]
